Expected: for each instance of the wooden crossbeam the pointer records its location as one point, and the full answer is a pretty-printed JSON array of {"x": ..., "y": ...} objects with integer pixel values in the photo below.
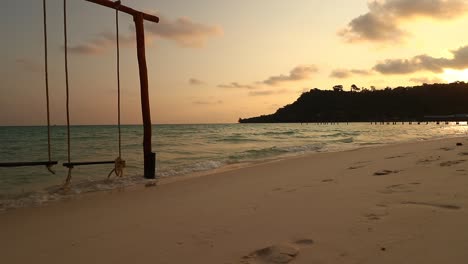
[{"x": 125, "y": 9}]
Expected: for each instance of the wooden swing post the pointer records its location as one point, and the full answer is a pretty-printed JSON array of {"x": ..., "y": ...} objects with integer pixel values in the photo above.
[{"x": 139, "y": 18}]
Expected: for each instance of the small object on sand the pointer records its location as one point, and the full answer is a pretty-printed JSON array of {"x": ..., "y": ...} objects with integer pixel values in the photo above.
[
  {"x": 383, "y": 249},
  {"x": 459, "y": 144},
  {"x": 385, "y": 172}
]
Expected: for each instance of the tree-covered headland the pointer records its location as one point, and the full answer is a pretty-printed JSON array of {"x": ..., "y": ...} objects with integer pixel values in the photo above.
[{"x": 436, "y": 102}]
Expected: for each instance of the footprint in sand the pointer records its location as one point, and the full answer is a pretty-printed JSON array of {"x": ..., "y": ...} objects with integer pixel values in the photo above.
[
  {"x": 436, "y": 205},
  {"x": 451, "y": 163},
  {"x": 304, "y": 242},
  {"x": 385, "y": 172},
  {"x": 373, "y": 217},
  {"x": 377, "y": 213},
  {"x": 277, "y": 254},
  {"x": 447, "y": 148},
  {"x": 284, "y": 190},
  {"x": 428, "y": 160},
  {"x": 328, "y": 180},
  {"x": 356, "y": 167},
  {"x": 363, "y": 162},
  {"x": 359, "y": 165},
  {"x": 398, "y": 188},
  {"x": 395, "y": 157}
]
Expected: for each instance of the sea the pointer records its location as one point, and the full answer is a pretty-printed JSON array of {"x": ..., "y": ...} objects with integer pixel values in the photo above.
[{"x": 181, "y": 150}]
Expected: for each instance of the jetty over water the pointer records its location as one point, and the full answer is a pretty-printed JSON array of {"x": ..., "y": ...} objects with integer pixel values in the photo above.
[{"x": 449, "y": 118}]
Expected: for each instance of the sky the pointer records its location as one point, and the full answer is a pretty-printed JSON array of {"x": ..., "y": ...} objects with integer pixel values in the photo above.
[{"x": 212, "y": 61}]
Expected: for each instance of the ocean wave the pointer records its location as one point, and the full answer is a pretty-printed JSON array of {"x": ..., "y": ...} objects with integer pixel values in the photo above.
[
  {"x": 259, "y": 154},
  {"x": 341, "y": 134},
  {"x": 191, "y": 168},
  {"x": 254, "y": 154},
  {"x": 370, "y": 143},
  {"x": 275, "y": 133},
  {"x": 237, "y": 139},
  {"x": 345, "y": 140},
  {"x": 55, "y": 193}
]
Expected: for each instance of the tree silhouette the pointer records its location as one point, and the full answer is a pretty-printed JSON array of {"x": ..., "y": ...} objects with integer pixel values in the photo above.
[
  {"x": 354, "y": 88},
  {"x": 338, "y": 88}
]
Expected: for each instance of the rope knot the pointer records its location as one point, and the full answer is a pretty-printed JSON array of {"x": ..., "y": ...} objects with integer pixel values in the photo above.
[{"x": 119, "y": 167}]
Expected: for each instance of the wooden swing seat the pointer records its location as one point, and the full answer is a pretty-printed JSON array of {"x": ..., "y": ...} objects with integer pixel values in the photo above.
[
  {"x": 87, "y": 163},
  {"x": 27, "y": 164}
]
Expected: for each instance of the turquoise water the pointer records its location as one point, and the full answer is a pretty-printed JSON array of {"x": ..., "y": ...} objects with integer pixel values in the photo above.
[{"x": 181, "y": 150}]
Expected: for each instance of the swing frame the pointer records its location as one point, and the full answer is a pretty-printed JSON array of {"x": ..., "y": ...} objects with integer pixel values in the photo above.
[{"x": 148, "y": 154}]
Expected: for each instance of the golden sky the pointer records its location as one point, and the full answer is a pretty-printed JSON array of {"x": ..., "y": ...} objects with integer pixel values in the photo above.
[{"x": 215, "y": 61}]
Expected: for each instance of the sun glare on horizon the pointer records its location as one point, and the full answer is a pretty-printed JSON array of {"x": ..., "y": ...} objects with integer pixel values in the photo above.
[{"x": 450, "y": 75}]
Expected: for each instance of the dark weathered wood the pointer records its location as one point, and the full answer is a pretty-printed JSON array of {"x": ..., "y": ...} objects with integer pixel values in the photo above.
[
  {"x": 125, "y": 9},
  {"x": 149, "y": 156},
  {"x": 27, "y": 164},
  {"x": 87, "y": 163}
]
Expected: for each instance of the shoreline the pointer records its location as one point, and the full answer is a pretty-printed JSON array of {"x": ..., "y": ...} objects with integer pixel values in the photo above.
[
  {"x": 400, "y": 203},
  {"x": 197, "y": 155},
  {"x": 54, "y": 196}
]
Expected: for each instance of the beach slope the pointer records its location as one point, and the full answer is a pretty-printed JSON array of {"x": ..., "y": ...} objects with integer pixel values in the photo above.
[{"x": 405, "y": 203}]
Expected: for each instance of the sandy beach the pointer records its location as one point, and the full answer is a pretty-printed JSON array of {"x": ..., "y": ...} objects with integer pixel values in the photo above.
[{"x": 402, "y": 203}]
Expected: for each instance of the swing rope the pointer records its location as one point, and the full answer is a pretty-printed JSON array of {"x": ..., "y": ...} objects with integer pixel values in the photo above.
[
  {"x": 65, "y": 34},
  {"x": 119, "y": 162},
  {"x": 118, "y": 77},
  {"x": 46, "y": 72}
]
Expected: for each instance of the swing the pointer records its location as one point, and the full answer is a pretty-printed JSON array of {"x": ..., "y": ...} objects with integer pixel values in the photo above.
[
  {"x": 119, "y": 163},
  {"x": 48, "y": 164}
]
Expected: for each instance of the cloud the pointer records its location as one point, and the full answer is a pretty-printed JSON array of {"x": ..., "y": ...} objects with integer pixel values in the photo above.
[
  {"x": 101, "y": 43},
  {"x": 184, "y": 31},
  {"x": 267, "y": 92},
  {"x": 344, "y": 73},
  {"x": 383, "y": 21},
  {"x": 261, "y": 93},
  {"x": 235, "y": 85},
  {"x": 439, "y": 9},
  {"x": 207, "y": 102},
  {"x": 370, "y": 27},
  {"x": 195, "y": 82},
  {"x": 427, "y": 80},
  {"x": 424, "y": 63},
  {"x": 29, "y": 65},
  {"x": 299, "y": 73}
]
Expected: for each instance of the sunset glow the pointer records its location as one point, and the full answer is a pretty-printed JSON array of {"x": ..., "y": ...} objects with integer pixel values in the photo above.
[
  {"x": 455, "y": 75},
  {"x": 203, "y": 54}
]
